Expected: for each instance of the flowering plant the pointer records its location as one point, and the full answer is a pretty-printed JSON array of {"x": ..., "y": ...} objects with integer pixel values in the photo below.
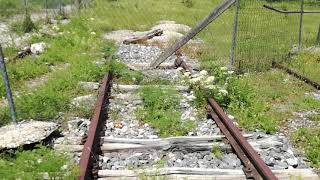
[{"x": 205, "y": 85}]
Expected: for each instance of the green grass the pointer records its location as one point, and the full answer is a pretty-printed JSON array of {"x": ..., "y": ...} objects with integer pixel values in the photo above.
[
  {"x": 75, "y": 46},
  {"x": 263, "y": 35},
  {"x": 266, "y": 100},
  {"x": 216, "y": 151},
  {"x": 314, "y": 117},
  {"x": 32, "y": 164},
  {"x": 309, "y": 140},
  {"x": 10, "y": 8},
  {"x": 161, "y": 111},
  {"x": 307, "y": 64}
]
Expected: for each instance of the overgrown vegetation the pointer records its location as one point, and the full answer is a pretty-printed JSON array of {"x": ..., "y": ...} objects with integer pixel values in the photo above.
[
  {"x": 11, "y": 8},
  {"x": 309, "y": 140},
  {"x": 307, "y": 63},
  {"x": 266, "y": 100},
  {"x": 36, "y": 164},
  {"x": 258, "y": 101},
  {"x": 216, "y": 151},
  {"x": 161, "y": 111},
  {"x": 75, "y": 45},
  {"x": 314, "y": 117},
  {"x": 25, "y": 26}
]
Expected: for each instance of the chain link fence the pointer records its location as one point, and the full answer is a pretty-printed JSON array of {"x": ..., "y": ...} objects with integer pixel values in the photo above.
[
  {"x": 262, "y": 35},
  {"x": 265, "y": 35},
  {"x": 12, "y": 8}
]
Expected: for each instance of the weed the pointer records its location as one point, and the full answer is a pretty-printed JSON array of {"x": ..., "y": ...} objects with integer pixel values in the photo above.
[
  {"x": 160, "y": 110},
  {"x": 160, "y": 164},
  {"x": 25, "y": 26},
  {"x": 216, "y": 151},
  {"x": 307, "y": 63},
  {"x": 314, "y": 117},
  {"x": 308, "y": 139},
  {"x": 31, "y": 165}
]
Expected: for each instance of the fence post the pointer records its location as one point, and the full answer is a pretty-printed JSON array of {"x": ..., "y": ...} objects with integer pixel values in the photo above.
[
  {"x": 234, "y": 34},
  {"x": 7, "y": 86},
  {"x": 79, "y": 2},
  {"x": 301, "y": 21},
  {"x": 60, "y": 9},
  {"x": 46, "y": 6},
  {"x": 25, "y": 7},
  {"x": 318, "y": 38}
]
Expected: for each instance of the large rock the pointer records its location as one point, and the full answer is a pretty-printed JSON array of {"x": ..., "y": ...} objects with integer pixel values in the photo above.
[
  {"x": 24, "y": 133},
  {"x": 38, "y": 48}
]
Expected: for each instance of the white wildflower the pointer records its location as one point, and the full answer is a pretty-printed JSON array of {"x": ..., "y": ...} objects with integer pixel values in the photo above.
[
  {"x": 211, "y": 87},
  {"x": 210, "y": 80},
  {"x": 39, "y": 161},
  {"x": 187, "y": 74},
  {"x": 55, "y": 28},
  {"x": 93, "y": 33},
  {"x": 203, "y": 72},
  {"x": 223, "y": 92},
  {"x": 230, "y": 72},
  {"x": 223, "y": 68},
  {"x": 195, "y": 80},
  {"x": 179, "y": 69},
  {"x": 92, "y": 19}
]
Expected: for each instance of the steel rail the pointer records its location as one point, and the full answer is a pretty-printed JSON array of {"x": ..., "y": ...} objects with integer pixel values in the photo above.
[
  {"x": 255, "y": 167},
  {"x": 92, "y": 145},
  {"x": 297, "y": 75},
  {"x": 290, "y": 12}
]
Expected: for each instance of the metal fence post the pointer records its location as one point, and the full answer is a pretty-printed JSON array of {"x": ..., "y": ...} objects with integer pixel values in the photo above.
[
  {"x": 46, "y": 6},
  {"x": 318, "y": 38},
  {"x": 25, "y": 7},
  {"x": 60, "y": 8},
  {"x": 234, "y": 34},
  {"x": 300, "y": 28},
  {"x": 7, "y": 86}
]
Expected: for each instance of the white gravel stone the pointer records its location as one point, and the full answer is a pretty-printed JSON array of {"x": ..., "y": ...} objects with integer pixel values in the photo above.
[{"x": 38, "y": 48}]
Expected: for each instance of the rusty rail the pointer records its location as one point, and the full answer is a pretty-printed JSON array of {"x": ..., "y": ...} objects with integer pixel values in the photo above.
[
  {"x": 297, "y": 75},
  {"x": 254, "y": 167},
  {"x": 92, "y": 145}
]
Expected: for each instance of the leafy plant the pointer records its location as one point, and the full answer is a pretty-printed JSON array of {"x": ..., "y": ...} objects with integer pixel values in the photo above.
[
  {"x": 216, "y": 151},
  {"x": 160, "y": 110},
  {"x": 32, "y": 164},
  {"x": 309, "y": 140},
  {"x": 314, "y": 117}
]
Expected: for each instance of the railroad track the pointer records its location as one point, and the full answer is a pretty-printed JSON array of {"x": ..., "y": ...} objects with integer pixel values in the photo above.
[{"x": 129, "y": 149}]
